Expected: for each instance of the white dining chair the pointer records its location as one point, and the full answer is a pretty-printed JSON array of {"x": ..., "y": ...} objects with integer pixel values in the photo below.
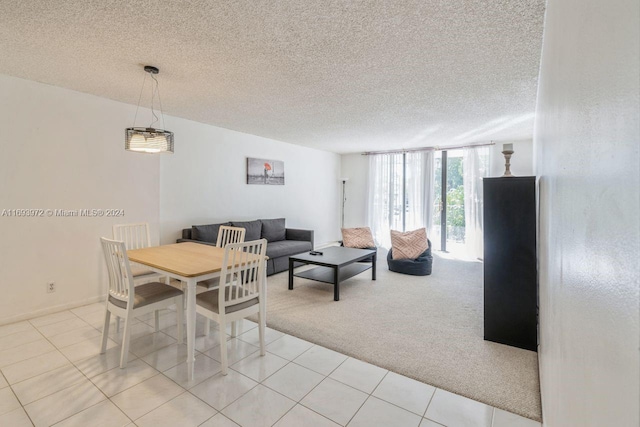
[
  {"x": 226, "y": 235},
  {"x": 241, "y": 291},
  {"x": 137, "y": 236},
  {"x": 127, "y": 301}
]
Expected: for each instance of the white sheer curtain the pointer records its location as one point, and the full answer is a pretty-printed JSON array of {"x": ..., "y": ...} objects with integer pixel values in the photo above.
[
  {"x": 419, "y": 188},
  {"x": 385, "y": 199},
  {"x": 385, "y": 196},
  {"x": 476, "y": 165}
]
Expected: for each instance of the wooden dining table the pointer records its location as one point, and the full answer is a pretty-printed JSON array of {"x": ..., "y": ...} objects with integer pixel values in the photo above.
[{"x": 189, "y": 263}]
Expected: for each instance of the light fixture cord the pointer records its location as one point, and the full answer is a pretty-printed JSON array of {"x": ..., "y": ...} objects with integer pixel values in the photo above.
[
  {"x": 160, "y": 103},
  {"x": 144, "y": 79},
  {"x": 153, "y": 95}
]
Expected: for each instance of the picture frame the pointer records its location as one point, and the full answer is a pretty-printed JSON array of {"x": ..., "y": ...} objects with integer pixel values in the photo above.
[{"x": 265, "y": 171}]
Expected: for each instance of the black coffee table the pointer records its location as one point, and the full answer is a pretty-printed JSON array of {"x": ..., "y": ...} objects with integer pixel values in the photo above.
[{"x": 334, "y": 265}]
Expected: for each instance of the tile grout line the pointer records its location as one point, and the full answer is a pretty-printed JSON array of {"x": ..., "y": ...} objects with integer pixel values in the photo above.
[
  {"x": 21, "y": 406},
  {"x": 17, "y": 400},
  {"x": 48, "y": 371},
  {"x": 229, "y": 367},
  {"x": 159, "y": 373},
  {"x": 358, "y": 410},
  {"x": 73, "y": 364},
  {"x": 85, "y": 376},
  {"x": 430, "y": 400},
  {"x": 368, "y": 397},
  {"x": 368, "y": 394},
  {"x": 185, "y": 390},
  {"x": 29, "y": 358},
  {"x": 373, "y": 364},
  {"x": 298, "y": 402},
  {"x": 24, "y": 343},
  {"x": 398, "y": 406},
  {"x": 92, "y": 382},
  {"x": 264, "y": 385},
  {"x": 326, "y": 376}
]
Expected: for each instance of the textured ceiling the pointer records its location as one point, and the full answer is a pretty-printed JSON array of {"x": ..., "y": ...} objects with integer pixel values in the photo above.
[{"x": 344, "y": 76}]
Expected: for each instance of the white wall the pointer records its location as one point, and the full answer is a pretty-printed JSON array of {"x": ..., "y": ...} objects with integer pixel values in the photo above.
[
  {"x": 61, "y": 149},
  {"x": 204, "y": 182},
  {"x": 355, "y": 167},
  {"x": 586, "y": 155}
]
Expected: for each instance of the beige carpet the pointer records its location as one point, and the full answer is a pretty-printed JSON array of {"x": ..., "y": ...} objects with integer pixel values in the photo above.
[{"x": 428, "y": 328}]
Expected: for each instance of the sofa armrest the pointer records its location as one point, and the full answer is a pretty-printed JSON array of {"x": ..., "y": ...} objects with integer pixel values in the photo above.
[
  {"x": 195, "y": 241},
  {"x": 186, "y": 233},
  {"x": 303, "y": 235}
]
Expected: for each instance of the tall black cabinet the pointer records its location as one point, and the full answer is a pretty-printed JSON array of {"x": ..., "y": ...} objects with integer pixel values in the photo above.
[{"x": 510, "y": 276}]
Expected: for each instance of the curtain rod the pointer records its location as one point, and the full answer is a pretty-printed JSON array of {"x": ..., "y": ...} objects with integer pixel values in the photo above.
[{"x": 412, "y": 150}]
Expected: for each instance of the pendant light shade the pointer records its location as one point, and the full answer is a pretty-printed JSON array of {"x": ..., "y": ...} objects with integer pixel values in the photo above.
[{"x": 149, "y": 139}]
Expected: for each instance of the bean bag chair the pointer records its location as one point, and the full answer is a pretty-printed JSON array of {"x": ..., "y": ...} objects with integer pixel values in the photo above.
[{"x": 420, "y": 266}]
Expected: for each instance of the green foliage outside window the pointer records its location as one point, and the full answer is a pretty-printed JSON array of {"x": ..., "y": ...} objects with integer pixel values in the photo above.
[{"x": 455, "y": 198}]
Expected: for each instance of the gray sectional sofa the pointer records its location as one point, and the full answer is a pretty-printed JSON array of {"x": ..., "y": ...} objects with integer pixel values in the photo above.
[{"x": 282, "y": 242}]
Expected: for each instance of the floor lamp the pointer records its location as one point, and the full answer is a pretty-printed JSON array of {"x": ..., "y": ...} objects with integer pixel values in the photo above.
[{"x": 344, "y": 198}]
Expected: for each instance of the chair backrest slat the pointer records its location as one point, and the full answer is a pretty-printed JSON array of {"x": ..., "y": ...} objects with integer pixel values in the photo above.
[
  {"x": 243, "y": 268},
  {"x": 228, "y": 235},
  {"x": 134, "y": 236},
  {"x": 119, "y": 270}
]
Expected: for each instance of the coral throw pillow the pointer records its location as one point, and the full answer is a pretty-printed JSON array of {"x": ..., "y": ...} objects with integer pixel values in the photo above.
[
  {"x": 360, "y": 237},
  {"x": 408, "y": 245}
]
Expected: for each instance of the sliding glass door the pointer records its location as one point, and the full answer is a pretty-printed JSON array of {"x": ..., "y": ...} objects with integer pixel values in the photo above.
[
  {"x": 449, "y": 220},
  {"x": 440, "y": 190},
  {"x": 457, "y": 205}
]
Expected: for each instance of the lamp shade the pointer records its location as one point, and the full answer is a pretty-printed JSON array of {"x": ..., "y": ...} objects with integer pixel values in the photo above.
[{"x": 148, "y": 140}]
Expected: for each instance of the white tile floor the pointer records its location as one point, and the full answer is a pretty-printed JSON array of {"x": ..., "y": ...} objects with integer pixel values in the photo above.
[{"x": 53, "y": 374}]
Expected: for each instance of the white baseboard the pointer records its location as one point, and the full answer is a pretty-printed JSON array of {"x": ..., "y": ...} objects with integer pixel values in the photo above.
[
  {"x": 75, "y": 304},
  {"x": 326, "y": 245},
  {"x": 50, "y": 310}
]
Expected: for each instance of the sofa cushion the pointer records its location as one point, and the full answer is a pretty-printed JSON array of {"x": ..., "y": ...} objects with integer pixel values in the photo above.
[
  {"x": 287, "y": 248},
  {"x": 206, "y": 233},
  {"x": 253, "y": 229},
  {"x": 273, "y": 229},
  {"x": 360, "y": 237},
  {"x": 409, "y": 245}
]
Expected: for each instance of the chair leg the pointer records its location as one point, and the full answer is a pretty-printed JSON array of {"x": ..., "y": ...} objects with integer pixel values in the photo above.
[
  {"x": 261, "y": 330},
  {"x": 207, "y": 327},
  {"x": 126, "y": 335},
  {"x": 156, "y": 320},
  {"x": 180, "y": 320},
  {"x": 234, "y": 331},
  {"x": 117, "y": 324},
  {"x": 223, "y": 349},
  {"x": 105, "y": 331}
]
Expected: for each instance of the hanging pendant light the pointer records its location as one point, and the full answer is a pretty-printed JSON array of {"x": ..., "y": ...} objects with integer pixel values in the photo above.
[{"x": 149, "y": 139}]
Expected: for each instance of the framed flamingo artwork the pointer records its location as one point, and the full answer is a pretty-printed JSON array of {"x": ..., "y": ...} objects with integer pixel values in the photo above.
[{"x": 265, "y": 172}]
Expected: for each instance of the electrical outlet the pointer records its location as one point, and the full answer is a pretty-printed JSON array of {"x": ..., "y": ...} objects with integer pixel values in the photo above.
[{"x": 51, "y": 287}]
